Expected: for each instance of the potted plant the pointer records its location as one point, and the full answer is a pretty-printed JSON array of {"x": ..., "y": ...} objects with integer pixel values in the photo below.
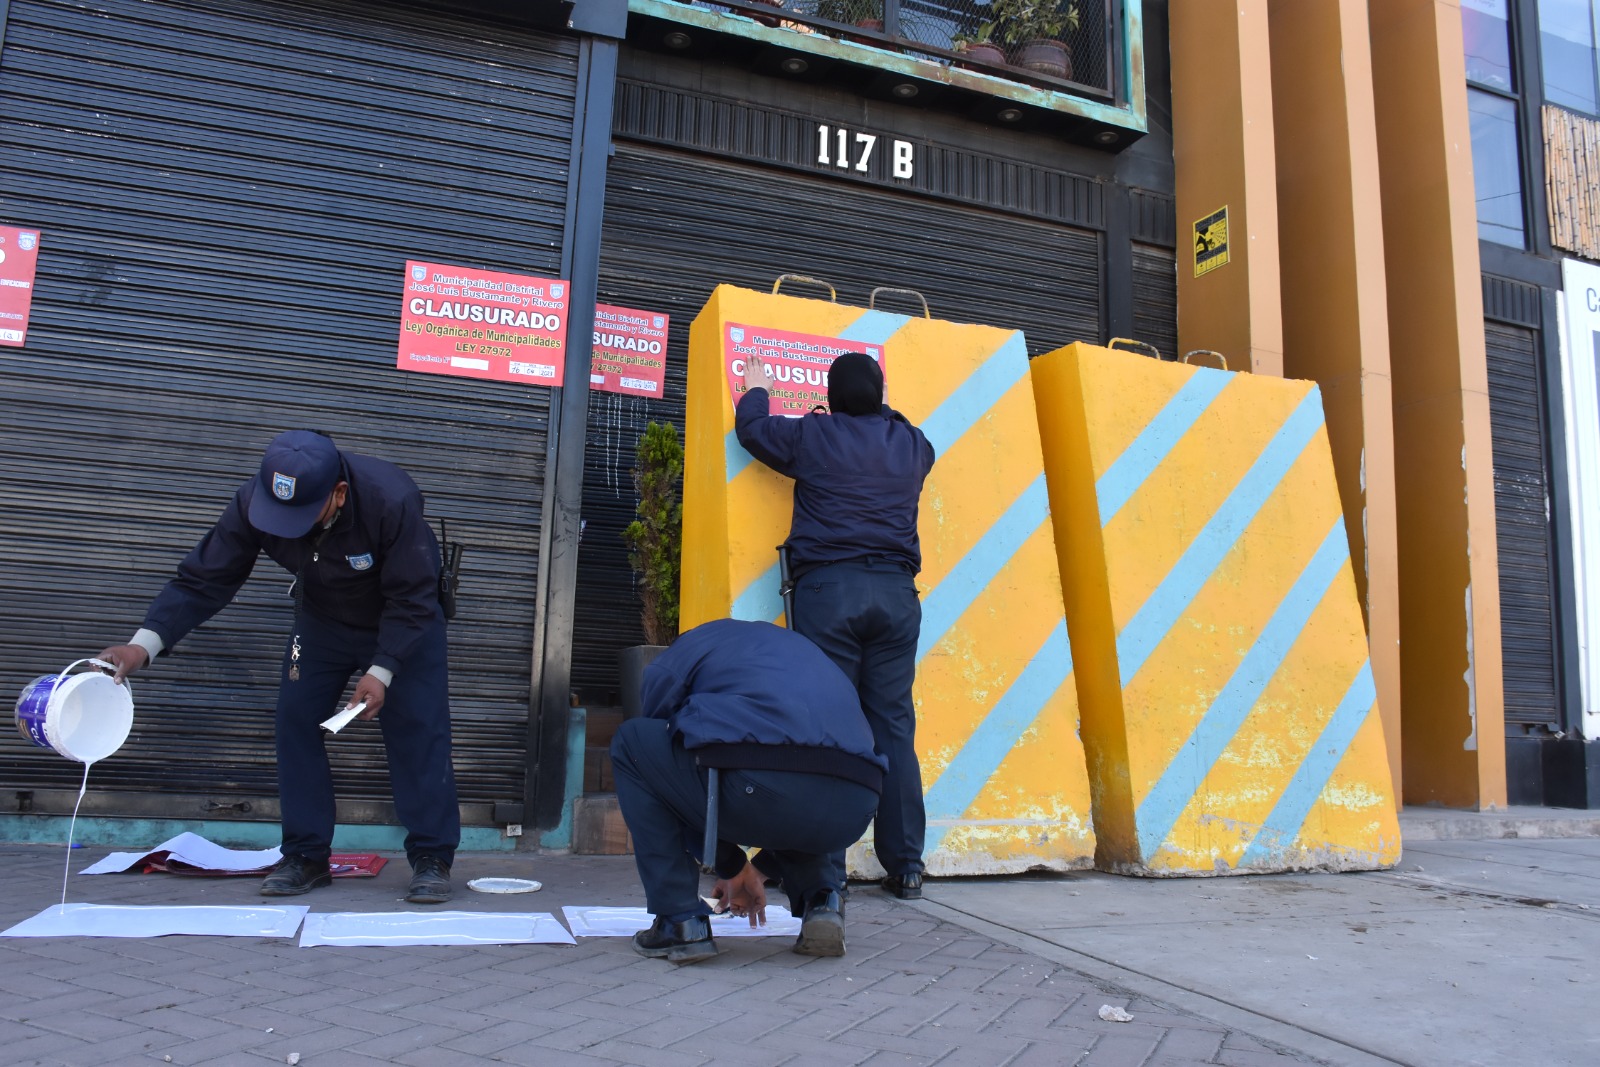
[
  {"x": 655, "y": 552},
  {"x": 867, "y": 14},
  {"x": 1033, "y": 30},
  {"x": 976, "y": 45}
]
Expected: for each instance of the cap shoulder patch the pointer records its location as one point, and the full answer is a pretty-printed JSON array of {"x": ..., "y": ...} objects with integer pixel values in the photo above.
[
  {"x": 282, "y": 486},
  {"x": 361, "y": 562}
]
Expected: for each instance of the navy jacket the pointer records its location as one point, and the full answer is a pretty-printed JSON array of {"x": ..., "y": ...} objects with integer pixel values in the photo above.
[
  {"x": 377, "y": 568},
  {"x": 857, "y": 480},
  {"x": 757, "y": 696}
]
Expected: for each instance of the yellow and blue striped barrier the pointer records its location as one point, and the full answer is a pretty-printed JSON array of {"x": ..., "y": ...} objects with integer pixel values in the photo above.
[
  {"x": 997, "y": 719},
  {"x": 1228, "y": 706}
]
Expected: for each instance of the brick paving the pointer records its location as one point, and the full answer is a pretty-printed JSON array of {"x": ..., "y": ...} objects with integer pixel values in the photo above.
[{"x": 912, "y": 990}]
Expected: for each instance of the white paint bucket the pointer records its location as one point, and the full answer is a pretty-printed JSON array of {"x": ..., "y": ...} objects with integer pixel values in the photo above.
[{"x": 85, "y": 717}]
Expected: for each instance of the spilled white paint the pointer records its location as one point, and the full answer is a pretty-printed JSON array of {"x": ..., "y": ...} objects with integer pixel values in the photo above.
[{"x": 1470, "y": 677}]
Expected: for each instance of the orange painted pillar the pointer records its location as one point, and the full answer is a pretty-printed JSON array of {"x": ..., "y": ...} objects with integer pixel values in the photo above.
[
  {"x": 1453, "y": 722},
  {"x": 1226, "y": 198},
  {"x": 1335, "y": 328}
]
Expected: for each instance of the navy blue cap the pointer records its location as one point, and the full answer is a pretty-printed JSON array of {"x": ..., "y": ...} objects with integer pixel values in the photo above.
[{"x": 298, "y": 474}]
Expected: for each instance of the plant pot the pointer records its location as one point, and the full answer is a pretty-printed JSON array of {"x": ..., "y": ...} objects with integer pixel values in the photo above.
[
  {"x": 1050, "y": 58},
  {"x": 631, "y": 663},
  {"x": 767, "y": 20},
  {"x": 983, "y": 52}
]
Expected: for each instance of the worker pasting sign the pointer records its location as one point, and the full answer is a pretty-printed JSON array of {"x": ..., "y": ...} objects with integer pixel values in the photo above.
[
  {"x": 797, "y": 362},
  {"x": 482, "y": 324},
  {"x": 19, "y": 255},
  {"x": 630, "y": 352},
  {"x": 1211, "y": 241}
]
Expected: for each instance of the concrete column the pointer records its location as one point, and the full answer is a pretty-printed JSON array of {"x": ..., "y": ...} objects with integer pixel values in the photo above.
[
  {"x": 1223, "y": 152},
  {"x": 1453, "y": 722},
  {"x": 1335, "y": 328}
]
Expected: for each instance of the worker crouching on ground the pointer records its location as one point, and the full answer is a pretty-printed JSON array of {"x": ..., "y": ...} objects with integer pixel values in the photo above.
[
  {"x": 351, "y": 530},
  {"x": 797, "y": 775}
]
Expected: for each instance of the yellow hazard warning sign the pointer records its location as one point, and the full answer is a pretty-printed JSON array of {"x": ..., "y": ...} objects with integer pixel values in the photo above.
[{"x": 1211, "y": 241}]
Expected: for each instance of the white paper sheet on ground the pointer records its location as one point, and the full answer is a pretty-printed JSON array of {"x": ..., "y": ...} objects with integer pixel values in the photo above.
[
  {"x": 433, "y": 928},
  {"x": 128, "y": 920},
  {"x": 624, "y": 922},
  {"x": 194, "y": 850}
]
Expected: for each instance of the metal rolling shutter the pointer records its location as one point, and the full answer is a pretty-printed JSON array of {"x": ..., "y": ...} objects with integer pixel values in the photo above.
[
  {"x": 1155, "y": 299},
  {"x": 1522, "y": 525},
  {"x": 228, "y": 192},
  {"x": 679, "y": 223}
]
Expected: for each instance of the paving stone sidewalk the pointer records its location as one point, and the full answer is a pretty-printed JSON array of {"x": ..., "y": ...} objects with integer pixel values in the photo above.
[{"x": 912, "y": 990}]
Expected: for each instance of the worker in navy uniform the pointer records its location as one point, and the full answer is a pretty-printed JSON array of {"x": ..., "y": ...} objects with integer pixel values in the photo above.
[
  {"x": 797, "y": 777},
  {"x": 366, "y": 565},
  {"x": 853, "y": 559}
]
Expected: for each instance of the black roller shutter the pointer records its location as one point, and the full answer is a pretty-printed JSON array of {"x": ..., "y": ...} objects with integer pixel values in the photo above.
[
  {"x": 679, "y": 223},
  {"x": 227, "y": 193},
  {"x": 1522, "y": 525},
  {"x": 1155, "y": 299}
]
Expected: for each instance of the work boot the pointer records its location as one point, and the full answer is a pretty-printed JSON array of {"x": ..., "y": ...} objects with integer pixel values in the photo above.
[
  {"x": 688, "y": 941},
  {"x": 295, "y": 875},
  {"x": 430, "y": 881},
  {"x": 906, "y": 886},
  {"x": 822, "y": 927}
]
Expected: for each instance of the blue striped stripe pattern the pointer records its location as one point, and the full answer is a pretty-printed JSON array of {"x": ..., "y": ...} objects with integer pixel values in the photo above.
[
  {"x": 1012, "y": 716},
  {"x": 1192, "y": 763},
  {"x": 1166, "y": 605},
  {"x": 960, "y": 589},
  {"x": 1288, "y": 815},
  {"x": 1136, "y": 463}
]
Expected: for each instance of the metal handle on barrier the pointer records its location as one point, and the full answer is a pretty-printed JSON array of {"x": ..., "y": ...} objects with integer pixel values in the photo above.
[
  {"x": 1207, "y": 352},
  {"x": 872, "y": 299},
  {"x": 779, "y": 280},
  {"x": 1130, "y": 345}
]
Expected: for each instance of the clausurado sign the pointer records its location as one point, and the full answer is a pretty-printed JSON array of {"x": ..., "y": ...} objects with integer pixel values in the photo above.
[
  {"x": 630, "y": 352},
  {"x": 797, "y": 362},
  {"x": 19, "y": 256},
  {"x": 483, "y": 324}
]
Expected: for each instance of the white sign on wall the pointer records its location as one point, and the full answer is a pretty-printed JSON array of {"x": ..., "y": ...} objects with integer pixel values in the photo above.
[{"x": 1580, "y": 374}]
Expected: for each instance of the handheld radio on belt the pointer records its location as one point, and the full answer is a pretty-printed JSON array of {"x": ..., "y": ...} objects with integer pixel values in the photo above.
[{"x": 449, "y": 570}]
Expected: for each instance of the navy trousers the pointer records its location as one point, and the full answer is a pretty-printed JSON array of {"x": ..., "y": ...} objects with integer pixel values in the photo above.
[
  {"x": 865, "y": 615},
  {"x": 802, "y": 818},
  {"x": 415, "y": 720}
]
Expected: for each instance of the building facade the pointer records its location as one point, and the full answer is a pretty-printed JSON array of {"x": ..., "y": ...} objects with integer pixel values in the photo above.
[{"x": 227, "y": 195}]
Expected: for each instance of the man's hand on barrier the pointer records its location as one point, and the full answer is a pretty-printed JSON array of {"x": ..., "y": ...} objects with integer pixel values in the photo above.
[
  {"x": 755, "y": 374},
  {"x": 372, "y": 691},
  {"x": 745, "y": 894},
  {"x": 126, "y": 658}
]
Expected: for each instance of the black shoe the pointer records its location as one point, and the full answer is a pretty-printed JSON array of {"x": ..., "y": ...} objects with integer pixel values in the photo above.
[
  {"x": 688, "y": 941},
  {"x": 905, "y": 886},
  {"x": 430, "y": 881},
  {"x": 295, "y": 875},
  {"x": 822, "y": 928}
]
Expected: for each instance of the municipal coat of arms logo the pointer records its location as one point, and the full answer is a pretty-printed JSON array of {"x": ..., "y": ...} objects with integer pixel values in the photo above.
[
  {"x": 26, "y": 241},
  {"x": 419, "y": 273},
  {"x": 737, "y": 333},
  {"x": 659, "y": 321},
  {"x": 361, "y": 562},
  {"x": 282, "y": 486},
  {"x": 558, "y": 290}
]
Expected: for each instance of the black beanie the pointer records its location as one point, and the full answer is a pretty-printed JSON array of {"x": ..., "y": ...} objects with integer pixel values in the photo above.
[{"x": 855, "y": 385}]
